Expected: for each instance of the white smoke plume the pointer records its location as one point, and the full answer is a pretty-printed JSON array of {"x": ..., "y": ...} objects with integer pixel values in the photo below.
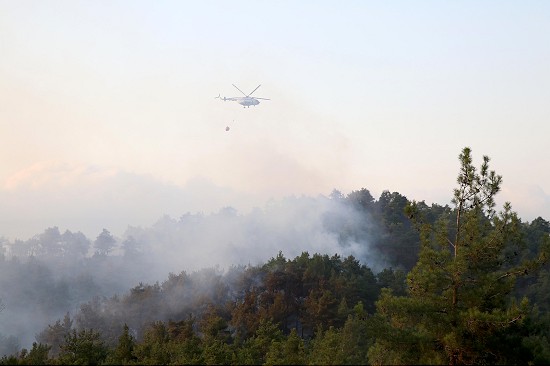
[{"x": 67, "y": 268}]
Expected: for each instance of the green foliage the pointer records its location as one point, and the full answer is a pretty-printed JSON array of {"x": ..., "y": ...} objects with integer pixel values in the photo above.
[
  {"x": 536, "y": 337},
  {"x": 185, "y": 346},
  {"x": 347, "y": 345},
  {"x": 215, "y": 338},
  {"x": 124, "y": 350},
  {"x": 38, "y": 355},
  {"x": 83, "y": 348},
  {"x": 453, "y": 294},
  {"x": 290, "y": 351},
  {"x": 326, "y": 348},
  {"x": 9, "y": 360},
  {"x": 254, "y": 349},
  {"x": 55, "y": 335},
  {"x": 169, "y": 343},
  {"x": 394, "y": 280},
  {"x": 153, "y": 349},
  {"x": 457, "y": 306},
  {"x": 399, "y": 242},
  {"x": 358, "y": 334}
]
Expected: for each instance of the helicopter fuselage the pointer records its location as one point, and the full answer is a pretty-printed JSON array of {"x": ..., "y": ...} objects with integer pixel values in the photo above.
[{"x": 248, "y": 101}]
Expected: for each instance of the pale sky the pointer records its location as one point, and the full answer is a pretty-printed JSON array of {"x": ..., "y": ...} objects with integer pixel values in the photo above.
[{"x": 108, "y": 116}]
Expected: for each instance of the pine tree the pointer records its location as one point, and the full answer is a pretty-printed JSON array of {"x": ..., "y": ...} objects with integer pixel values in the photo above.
[
  {"x": 123, "y": 352},
  {"x": 38, "y": 355},
  {"x": 83, "y": 348},
  {"x": 55, "y": 335},
  {"x": 458, "y": 307},
  {"x": 290, "y": 351}
]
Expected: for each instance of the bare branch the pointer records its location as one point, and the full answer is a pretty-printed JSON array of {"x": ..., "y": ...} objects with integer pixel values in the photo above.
[{"x": 508, "y": 274}]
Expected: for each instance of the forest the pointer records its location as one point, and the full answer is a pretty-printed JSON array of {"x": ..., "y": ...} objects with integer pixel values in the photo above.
[{"x": 405, "y": 283}]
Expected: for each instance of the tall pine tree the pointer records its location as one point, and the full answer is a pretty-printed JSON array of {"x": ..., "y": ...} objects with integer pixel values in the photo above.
[{"x": 458, "y": 309}]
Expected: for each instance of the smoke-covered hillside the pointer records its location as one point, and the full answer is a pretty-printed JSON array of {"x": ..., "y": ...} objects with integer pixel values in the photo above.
[
  {"x": 53, "y": 273},
  {"x": 228, "y": 265}
]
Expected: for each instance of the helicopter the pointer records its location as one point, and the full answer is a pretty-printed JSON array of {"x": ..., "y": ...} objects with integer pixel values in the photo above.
[{"x": 245, "y": 101}]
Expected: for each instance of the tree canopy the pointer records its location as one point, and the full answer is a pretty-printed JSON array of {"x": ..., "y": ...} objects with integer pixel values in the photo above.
[{"x": 466, "y": 284}]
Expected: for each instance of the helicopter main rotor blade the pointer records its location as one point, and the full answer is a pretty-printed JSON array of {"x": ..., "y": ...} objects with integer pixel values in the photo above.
[
  {"x": 261, "y": 98},
  {"x": 254, "y": 90},
  {"x": 239, "y": 90}
]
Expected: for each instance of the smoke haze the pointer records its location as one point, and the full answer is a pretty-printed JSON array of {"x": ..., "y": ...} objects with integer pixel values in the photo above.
[
  {"x": 88, "y": 198},
  {"x": 54, "y": 272}
]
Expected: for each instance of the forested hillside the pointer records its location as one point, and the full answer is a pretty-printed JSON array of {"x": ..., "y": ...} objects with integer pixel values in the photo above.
[{"x": 405, "y": 283}]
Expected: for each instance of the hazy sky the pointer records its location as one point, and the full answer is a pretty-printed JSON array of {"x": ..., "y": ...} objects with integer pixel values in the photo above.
[{"x": 108, "y": 116}]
